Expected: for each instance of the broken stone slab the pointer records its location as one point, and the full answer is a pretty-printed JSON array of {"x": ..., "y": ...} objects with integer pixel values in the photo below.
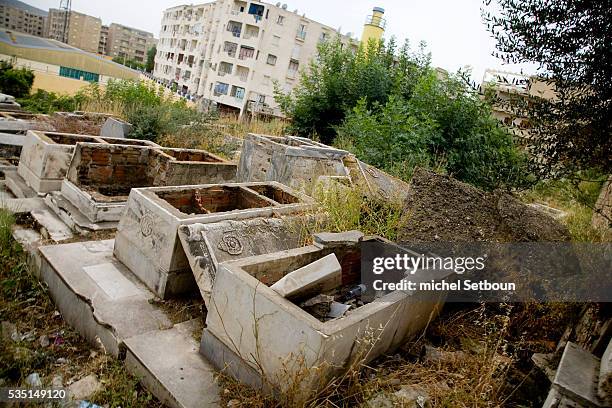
[
  {"x": 181, "y": 379},
  {"x": 545, "y": 363},
  {"x": 337, "y": 239},
  {"x": 577, "y": 376},
  {"x": 17, "y": 185},
  {"x": 84, "y": 388},
  {"x": 51, "y": 227},
  {"x": 147, "y": 241},
  {"x": 413, "y": 396},
  {"x": 207, "y": 245},
  {"x": 319, "y": 276},
  {"x": 431, "y": 354},
  {"x": 72, "y": 216},
  {"x": 114, "y": 127}
]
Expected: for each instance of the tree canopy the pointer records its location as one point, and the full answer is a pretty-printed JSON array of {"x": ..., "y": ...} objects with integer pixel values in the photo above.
[{"x": 570, "y": 41}]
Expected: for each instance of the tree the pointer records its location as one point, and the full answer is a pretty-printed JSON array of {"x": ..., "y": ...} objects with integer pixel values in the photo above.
[
  {"x": 16, "y": 82},
  {"x": 151, "y": 59},
  {"x": 340, "y": 76},
  {"x": 570, "y": 41}
]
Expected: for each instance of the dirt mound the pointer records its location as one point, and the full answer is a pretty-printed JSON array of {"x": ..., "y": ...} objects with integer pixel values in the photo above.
[{"x": 441, "y": 209}]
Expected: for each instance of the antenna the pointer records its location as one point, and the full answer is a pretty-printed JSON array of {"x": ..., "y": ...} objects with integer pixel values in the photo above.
[{"x": 65, "y": 6}]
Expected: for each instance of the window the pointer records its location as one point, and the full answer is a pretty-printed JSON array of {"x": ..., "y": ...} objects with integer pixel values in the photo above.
[
  {"x": 297, "y": 49},
  {"x": 221, "y": 88},
  {"x": 237, "y": 92},
  {"x": 225, "y": 68},
  {"x": 266, "y": 80},
  {"x": 276, "y": 40},
  {"x": 256, "y": 10},
  {"x": 78, "y": 74},
  {"x": 324, "y": 36},
  {"x": 230, "y": 48},
  {"x": 261, "y": 99},
  {"x": 271, "y": 59},
  {"x": 246, "y": 52},
  {"x": 294, "y": 66},
  {"x": 280, "y": 20},
  {"x": 235, "y": 28},
  {"x": 251, "y": 32},
  {"x": 301, "y": 32}
]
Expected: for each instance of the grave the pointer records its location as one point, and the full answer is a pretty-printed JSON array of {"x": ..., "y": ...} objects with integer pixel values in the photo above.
[
  {"x": 246, "y": 314},
  {"x": 147, "y": 241},
  {"x": 45, "y": 157},
  {"x": 114, "y": 127},
  {"x": 100, "y": 177},
  {"x": 13, "y": 121},
  {"x": 303, "y": 163}
]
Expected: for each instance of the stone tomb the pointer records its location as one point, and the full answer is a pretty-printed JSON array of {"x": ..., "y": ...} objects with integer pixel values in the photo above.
[
  {"x": 147, "y": 241},
  {"x": 100, "y": 176},
  {"x": 302, "y": 163},
  {"x": 45, "y": 156},
  {"x": 294, "y": 161},
  {"x": 253, "y": 332},
  {"x": 12, "y": 121}
]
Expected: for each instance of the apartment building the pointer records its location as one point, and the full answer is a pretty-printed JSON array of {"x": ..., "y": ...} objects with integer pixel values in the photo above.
[
  {"x": 18, "y": 16},
  {"x": 229, "y": 53},
  {"x": 129, "y": 43},
  {"x": 83, "y": 31},
  {"x": 103, "y": 40}
]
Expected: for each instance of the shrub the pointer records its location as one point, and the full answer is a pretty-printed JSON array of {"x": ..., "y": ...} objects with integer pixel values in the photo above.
[
  {"x": 13, "y": 81},
  {"x": 441, "y": 126},
  {"x": 48, "y": 102}
]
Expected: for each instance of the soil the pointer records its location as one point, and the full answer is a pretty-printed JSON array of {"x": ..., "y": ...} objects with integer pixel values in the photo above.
[{"x": 439, "y": 208}]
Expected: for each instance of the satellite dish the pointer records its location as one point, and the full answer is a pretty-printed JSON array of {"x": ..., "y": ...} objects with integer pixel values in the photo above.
[
  {"x": 284, "y": 7},
  {"x": 278, "y": 4}
]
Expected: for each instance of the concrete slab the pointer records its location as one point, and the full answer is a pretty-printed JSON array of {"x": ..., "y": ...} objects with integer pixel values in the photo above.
[
  {"x": 114, "y": 127},
  {"x": 99, "y": 296},
  {"x": 51, "y": 226},
  {"x": 23, "y": 205},
  {"x": 73, "y": 217},
  {"x": 17, "y": 185},
  {"x": 577, "y": 376},
  {"x": 180, "y": 379}
]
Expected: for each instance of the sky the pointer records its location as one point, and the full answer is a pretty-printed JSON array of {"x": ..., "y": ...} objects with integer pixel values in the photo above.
[{"x": 452, "y": 29}]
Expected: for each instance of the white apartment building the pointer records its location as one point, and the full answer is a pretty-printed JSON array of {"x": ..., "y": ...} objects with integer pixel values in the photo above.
[{"x": 229, "y": 53}]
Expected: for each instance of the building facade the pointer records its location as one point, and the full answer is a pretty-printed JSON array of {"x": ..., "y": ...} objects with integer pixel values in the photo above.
[
  {"x": 18, "y": 16},
  {"x": 230, "y": 53},
  {"x": 102, "y": 49},
  {"x": 83, "y": 31},
  {"x": 129, "y": 43}
]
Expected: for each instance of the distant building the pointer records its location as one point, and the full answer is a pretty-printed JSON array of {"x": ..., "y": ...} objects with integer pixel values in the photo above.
[
  {"x": 129, "y": 43},
  {"x": 18, "y": 16},
  {"x": 229, "y": 53},
  {"x": 83, "y": 31},
  {"x": 509, "y": 85},
  {"x": 103, "y": 40}
]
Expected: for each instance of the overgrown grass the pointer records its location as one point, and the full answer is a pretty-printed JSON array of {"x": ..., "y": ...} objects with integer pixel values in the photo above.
[
  {"x": 577, "y": 197},
  {"x": 348, "y": 209}
]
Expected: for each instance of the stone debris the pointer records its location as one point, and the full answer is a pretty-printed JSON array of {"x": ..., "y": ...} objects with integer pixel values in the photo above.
[
  {"x": 318, "y": 306},
  {"x": 434, "y": 355},
  {"x": 319, "y": 276},
  {"x": 84, "y": 388},
  {"x": 413, "y": 396},
  {"x": 9, "y": 331},
  {"x": 33, "y": 380},
  {"x": 602, "y": 216},
  {"x": 114, "y": 127}
]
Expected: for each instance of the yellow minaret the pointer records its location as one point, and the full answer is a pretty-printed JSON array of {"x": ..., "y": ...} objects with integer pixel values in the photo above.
[{"x": 374, "y": 27}]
